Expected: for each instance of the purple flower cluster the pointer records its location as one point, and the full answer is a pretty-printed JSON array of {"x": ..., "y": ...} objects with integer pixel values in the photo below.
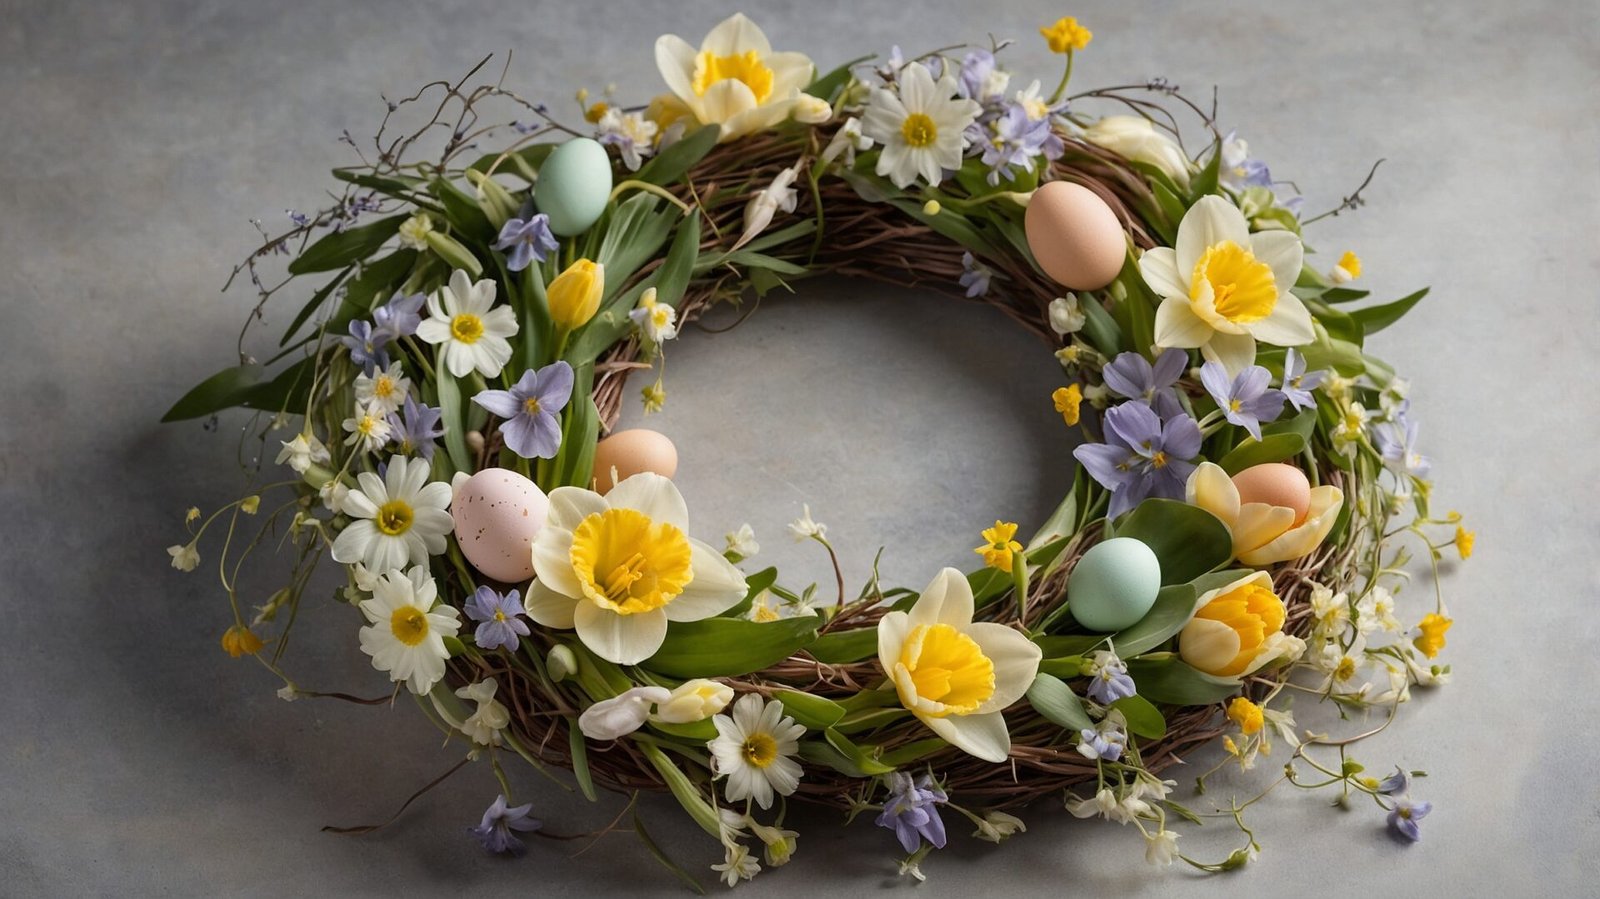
[
  {"x": 1008, "y": 134},
  {"x": 1246, "y": 400},
  {"x": 526, "y": 240},
  {"x": 911, "y": 811},
  {"x": 1142, "y": 456},
  {"x": 416, "y": 427},
  {"x": 500, "y": 625},
  {"x": 395, "y": 319},
  {"x": 1404, "y": 812},
  {"x": 1131, "y": 376}
]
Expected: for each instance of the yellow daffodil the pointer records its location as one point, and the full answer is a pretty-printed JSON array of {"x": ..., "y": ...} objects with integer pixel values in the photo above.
[
  {"x": 1224, "y": 288},
  {"x": 999, "y": 545},
  {"x": 1237, "y": 629},
  {"x": 1262, "y": 533},
  {"x": 954, "y": 674},
  {"x": 574, "y": 295},
  {"x": 1068, "y": 400},
  {"x": 734, "y": 80},
  {"x": 1066, "y": 35},
  {"x": 1247, "y": 715},
  {"x": 619, "y": 567},
  {"x": 1433, "y": 626}
]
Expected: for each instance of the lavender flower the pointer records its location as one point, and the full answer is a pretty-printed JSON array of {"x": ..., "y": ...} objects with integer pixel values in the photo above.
[
  {"x": 1108, "y": 679},
  {"x": 417, "y": 430},
  {"x": 1405, "y": 814},
  {"x": 980, "y": 79},
  {"x": 1131, "y": 375},
  {"x": 495, "y": 832},
  {"x": 1297, "y": 382},
  {"x": 911, "y": 811},
  {"x": 1104, "y": 743},
  {"x": 399, "y": 317},
  {"x": 500, "y": 626},
  {"x": 366, "y": 346},
  {"x": 1246, "y": 400},
  {"x": 1011, "y": 139},
  {"x": 1395, "y": 784},
  {"x": 1141, "y": 456},
  {"x": 532, "y": 410},
  {"x": 1396, "y": 441},
  {"x": 528, "y": 239},
  {"x": 975, "y": 276},
  {"x": 1237, "y": 169}
]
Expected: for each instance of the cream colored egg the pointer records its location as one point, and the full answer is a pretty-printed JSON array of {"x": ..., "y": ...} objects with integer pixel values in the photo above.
[
  {"x": 1275, "y": 484},
  {"x": 497, "y": 515},
  {"x": 1075, "y": 236},
  {"x": 630, "y": 452}
]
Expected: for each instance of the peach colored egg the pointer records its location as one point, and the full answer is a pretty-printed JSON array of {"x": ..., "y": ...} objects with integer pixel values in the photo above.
[
  {"x": 1075, "y": 236},
  {"x": 1275, "y": 484},
  {"x": 497, "y": 514},
  {"x": 630, "y": 452}
]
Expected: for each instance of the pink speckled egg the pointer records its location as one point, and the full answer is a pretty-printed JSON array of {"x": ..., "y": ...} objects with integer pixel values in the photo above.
[{"x": 497, "y": 514}]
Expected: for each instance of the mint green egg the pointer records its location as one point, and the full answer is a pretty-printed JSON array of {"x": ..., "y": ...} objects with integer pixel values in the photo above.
[
  {"x": 574, "y": 184},
  {"x": 1114, "y": 584}
]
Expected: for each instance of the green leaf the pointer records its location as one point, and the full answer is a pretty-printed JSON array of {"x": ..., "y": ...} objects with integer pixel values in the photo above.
[
  {"x": 289, "y": 391},
  {"x": 912, "y": 752},
  {"x": 869, "y": 719},
  {"x": 1375, "y": 318},
  {"x": 523, "y": 163},
  {"x": 1188, "y": 540},
  {"x": 1340, "y": 324},
  {"x": 1330, "y": 352},
  {"x": 1055, "y": 647},
  {"x": 1052, "y": 698},
  {"x": 397, "y": 186},
  {"x": 864, "y": 758},
  {"x": 815, "y": 712},
  {"x": 220, "y": 391},
  {"x": 1169, "y": 680},
  {"x": 1144, "y": 719},
  {"x": 1343, "y": 295},
  {"x": 462, "y": 211},
  {"x": 675, "y": 161},
  {"x": 1173, "y": 609},
  {"x": 844, "y": 647},
  {"x": 1098, "y": 325},
  {"x": 1206, "y": 182},
  {"x": 580, "y": 760},
  {"x": 827, "y": 86},
  {"x": 341, "y": 248},
  {"x": 754, "y": 584},
  {"x": 377, "y": 278},
  {"x": 1205, "y": 583},
  {"x": 313, "y": 304},
  {"x": 454, "y": 416},
  {"x": 1279, "y": 441},
  {"x": 729, "y": 647},
  {"x": 683, "y": 790}
]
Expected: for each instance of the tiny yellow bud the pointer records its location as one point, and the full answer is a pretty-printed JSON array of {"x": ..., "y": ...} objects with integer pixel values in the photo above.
[
  {"x": 1464, "y": 541},
  {"x": 655, "y": 396},
  {"x": 192, "y": 515},
  {"x": 574, "y": 295},
  {"x": 250, "y": 504},
  {"x": 596, "y": 112},
  {"x": 1246, "y": 714},
  {"x": 1068, "y": 400},
  {"x": 931, "y": 207},
  {"x": 239, "y": 641}
]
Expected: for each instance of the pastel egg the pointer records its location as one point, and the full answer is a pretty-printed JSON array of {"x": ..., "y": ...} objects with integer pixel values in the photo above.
[
  {"x": 1275, "y": 484},
  {"x": 574, "y": 185},
  {"x": 1114, "y": 584},
  {"x": 497, "y": 515},
  {"x": 630, "y": 452},
  {"x": 1074, "y": 236}
]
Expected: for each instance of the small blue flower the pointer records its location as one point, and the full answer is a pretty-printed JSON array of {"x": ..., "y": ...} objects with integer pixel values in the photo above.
[
  {"x": 1142, "y": 456},
  {"x": 977, "y": 80},
  {"x": 1013, "y": 138},
  {"x": 975, "y": 276},
  {"x": 1131, "y": 375},
  {"x": 1395, "y": 784},
  {"x": 399, "y": 317},
  {"x": 911, "y": 811},
  {"x": 1105, "y": 742},
  {"x": 1405, "y": 814},
  {"x": 501, "y": 626},
  {"x": 1237, "y": 169},
  {"x": 532, "y": 410},
  {"x": 1297, "y": 382},
  {"x": 528, "y": 239},
  {"x": 495, "y": 831},
  {"x": 1246, "y": 401},
  {"x": 366, "y": 346},
  {"x": 1109, "y": 680},
  {"x": 1396, "y": 441},
  {"x": 416, "y": 430}
]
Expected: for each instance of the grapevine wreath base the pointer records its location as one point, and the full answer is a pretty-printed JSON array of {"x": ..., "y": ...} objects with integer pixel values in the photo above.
[{"x": 1226, "y": 544}]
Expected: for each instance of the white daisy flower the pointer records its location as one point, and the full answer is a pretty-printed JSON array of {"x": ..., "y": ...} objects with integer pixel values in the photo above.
[
  {"x": 405, "y": 636},
  {"x": 921, "y": 128},
  {"x": 369, "y": 430},
  {"x": 472, "y": 335},
  {"x": 383, "y": 392},
  {"x": 753, "y": 748},
  {"x": 400, "y": 518}
]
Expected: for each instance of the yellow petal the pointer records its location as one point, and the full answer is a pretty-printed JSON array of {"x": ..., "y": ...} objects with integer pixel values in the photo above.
[
  {"x": 1321, "y": 514},
  {"x": 1211, "y": 489},
  {"x": 1207, "y": 645},
  {"x": 1259, "y": 523}
]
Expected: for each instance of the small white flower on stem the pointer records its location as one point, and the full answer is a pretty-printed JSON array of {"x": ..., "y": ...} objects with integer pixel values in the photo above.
[{"x": 765, "y": 204}]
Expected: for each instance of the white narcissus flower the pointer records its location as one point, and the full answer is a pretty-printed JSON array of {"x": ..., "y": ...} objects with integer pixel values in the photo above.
[
  {"x": 400, "y": 518},
  {"x": 742, "y": 543},
  {"x": 1066, "y": 317},
  {"x": 383, "y": 392},
  {"x": 619, "y": 567},
  {"x": 301, "y": 452},
  {"x": 753, "y": 748},
  {"x": 734, "y": 80},
  {"x": 809, "y": 110},
  {"x": 954, "y": 674},
  {"x": 1223, "y": 288},
  {"x": 846, "y": 142},
  {"x": 1161, "y": 848},
  {"x": 1263, "y": 533},
  {"x": 657, "y": 321},
  {"x": 470, "y": 330},
  {"x": 758, "y": 213},
  {"x": 406, "y": 630},
  {"x": 414, "y": 232},
  {"x": 369, "y": 430},
  {"x": 804, "y": 528},
  {"x": 694, "y": 700},
  {"x": 1136, "y": 138},
  {"x": 484, "y": 725},
  {"x": 615, "y": 718},
  {"x": 921, "y": 128},
  {"x": 184, "y": 556}
]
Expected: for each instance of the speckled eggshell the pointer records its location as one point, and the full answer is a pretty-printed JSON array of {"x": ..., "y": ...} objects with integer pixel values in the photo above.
[
  {"x": 1114, "y": 584},
  {"x": 497, "y": 514},
  {"x": 631, "y": 452},
  {"x": 1275, "y": 484},
  {"x": 574, "y": 184},
  {"x": 1075, "y": 236}
]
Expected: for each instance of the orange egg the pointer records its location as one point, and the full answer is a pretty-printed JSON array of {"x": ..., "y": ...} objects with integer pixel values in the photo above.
[
  {"x": 630, "y": 452},
  {"x": 1275, "y": 484},
  {"x": 1074, "y": 236}
]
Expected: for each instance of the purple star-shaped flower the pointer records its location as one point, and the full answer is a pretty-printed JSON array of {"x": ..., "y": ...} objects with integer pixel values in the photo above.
[
  {"x": 1397, "y": 441},
  {"x": 974, "y": 81},
  {"x": 1105, "y": 742},
  {"x": 1246, "y": 401},
  {"x": 1110, "y": 682},
  {"x": 1297, "y": 382},
  {"x": 366, "y": 346},
  {"x": 1012, "y": 139},
  {"x": 495, "y": 832},
  {"x": 1405, "y": 814},
  {"x": 527, "y": 239},
  {"x": 975, "y": 276},
  {"x": 416, "y": 430},
  {"x": 399, "y": 317},
  {"x": 911, "y": 811},
  {"x": 1142, "y": 457},
  {"x": 1395, "y": 784},
  {"x": 501, "y": 626},
  {"x": 1131, "y": 375},
  {"x": 532, "y": 410}
]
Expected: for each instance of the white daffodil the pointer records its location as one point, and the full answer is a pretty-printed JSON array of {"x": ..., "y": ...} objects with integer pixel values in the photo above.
[
  {"x": 804, "y": 528},
  {"x": 758, "y": 213},
  {"x": 734, "y": 80},
  {"x": 406, "y": 630},
  {"x": 400, "y": 518},
  {"x": 1223, "y": 288},
  {"x": 383, "y": 392},
  {"x": 619, "y": 567},
  {"x": 1264, "y": 533},
  {"x": 694, "y": 700},
  {"x": 954, "y": 674},
  {"x": 921, "y": 128},
  {"x": 657, "y": 321},
  {"x": 484, "y": 725},
  {"x": 302, "y": 452},
  {"x": 471, "y": 333},
  {"x": 185, "y": 557},
  {"x": 742, "y": 543},
  {"x": 615, "y": 718},
  {"x": 1136, "y": 138},
  {"x": 846, "y": 142},
  {"x": 753, "y": 748}
]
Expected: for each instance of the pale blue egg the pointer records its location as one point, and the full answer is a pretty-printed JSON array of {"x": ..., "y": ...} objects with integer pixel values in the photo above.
[
  {"x": 574, "y": 184},
  {"x": 1114, "y": 584}
]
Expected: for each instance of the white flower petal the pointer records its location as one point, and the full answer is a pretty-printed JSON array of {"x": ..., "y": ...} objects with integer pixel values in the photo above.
[
  {"x": 1282, "y": 252},
  {"x": 734, "y": 36},
  {"x": 552, "y": 560},
  {"x": 1178, "y": 326},
  {"x": 1235, "y": 352},
  {"x": 654, "y": 495},
  {"x": 569, "y": 506},
  {"x": 675, "y": 58},
  {"x": 1159, "y": 266},
  {"x": 623, "y": 639},
  {"x": 1015, "y": 658},
  {"x": 1210, "y": 221},
  {"x": 1289, "y": 324},
  {"x": 549, "y": 608},
  {"x": 716, "y": 586},
  {"x": 947, "y": 600},
  {"x": 983, "y": 735}
]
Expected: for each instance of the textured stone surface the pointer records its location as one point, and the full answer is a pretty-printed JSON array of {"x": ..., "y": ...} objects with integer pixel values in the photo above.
[{"x": 138, "y": 138}]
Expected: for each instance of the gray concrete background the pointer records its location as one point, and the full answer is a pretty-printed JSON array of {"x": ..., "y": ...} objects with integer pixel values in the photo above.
[{"x": 138, "y": 138}]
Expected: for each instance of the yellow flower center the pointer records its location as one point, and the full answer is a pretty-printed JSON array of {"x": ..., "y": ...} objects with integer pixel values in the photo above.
[
  {"x": 466, "y": 327},
  {"x": 394, "y": 517},
  {"x": 1351, "y": 263},
  {"x": 367, "y": 425},
  {"x": 383, "y": 387},
  {"x": 1159, "y": 460},
  {"x": 1254, "y": 613},
  {"x": 409, "y": 625},
  {"x": 760, "y": 750},
  {"x": 530, "y": 406},
  {"x": 627, "y": 563},
  {"x": 1346, "y": 669},
  {"x": 919, "y": 130},
  {"x": 948, "y": 667},
  {"x": 1242, "y": 286},
  {"x": 746, "y": 67}
]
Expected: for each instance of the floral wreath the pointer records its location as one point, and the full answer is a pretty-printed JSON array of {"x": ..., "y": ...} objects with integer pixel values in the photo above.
[{"x": 1248, "y": 499}]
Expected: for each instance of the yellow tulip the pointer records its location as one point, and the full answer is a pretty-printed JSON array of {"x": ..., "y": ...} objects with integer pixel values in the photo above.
[
  {"x": 1237, "y": 629},
  {"x": 1264, "y": 534},
  {"x": 574, "y": 295}
]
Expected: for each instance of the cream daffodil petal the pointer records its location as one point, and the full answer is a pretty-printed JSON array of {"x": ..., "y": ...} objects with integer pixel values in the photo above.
[
  {"x": 735, "y": 35},
  {"x": 724, "y": 100},
  {"x": 948, "y": 600},
  {"x": 569, "y": 506},
  {"x": 1210, "y": 221},
  {"x": 1159, "y": 266},
  {"x": 656, "y": 496},
  {"x": 715, "y": 587},
  {"x": 1208, "y": 645},
  {"x": 675, "y": 58},
  {"x": 981, "y": 735},
  {"x": 1282, "y": 252},
  {"x": 1211, "y": 489},
  {"x": 757, "y": 118},
  {"x": 1178, "y": 326},
  {"x": 1321, "y": 514},
  {"x": 552, "y": 560},
  {"x": 1015, "y": 658},
  {"x": 623, "y": 639},
  {"x": 1234, "y": 352},
  {"x": 791, "y": 72},
  {"x": 893, "y": 628},
  {"x": 1258, "y": 524},
  {"x": 1289, "y": 323},
  {"x": 549, "y": 608}
]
